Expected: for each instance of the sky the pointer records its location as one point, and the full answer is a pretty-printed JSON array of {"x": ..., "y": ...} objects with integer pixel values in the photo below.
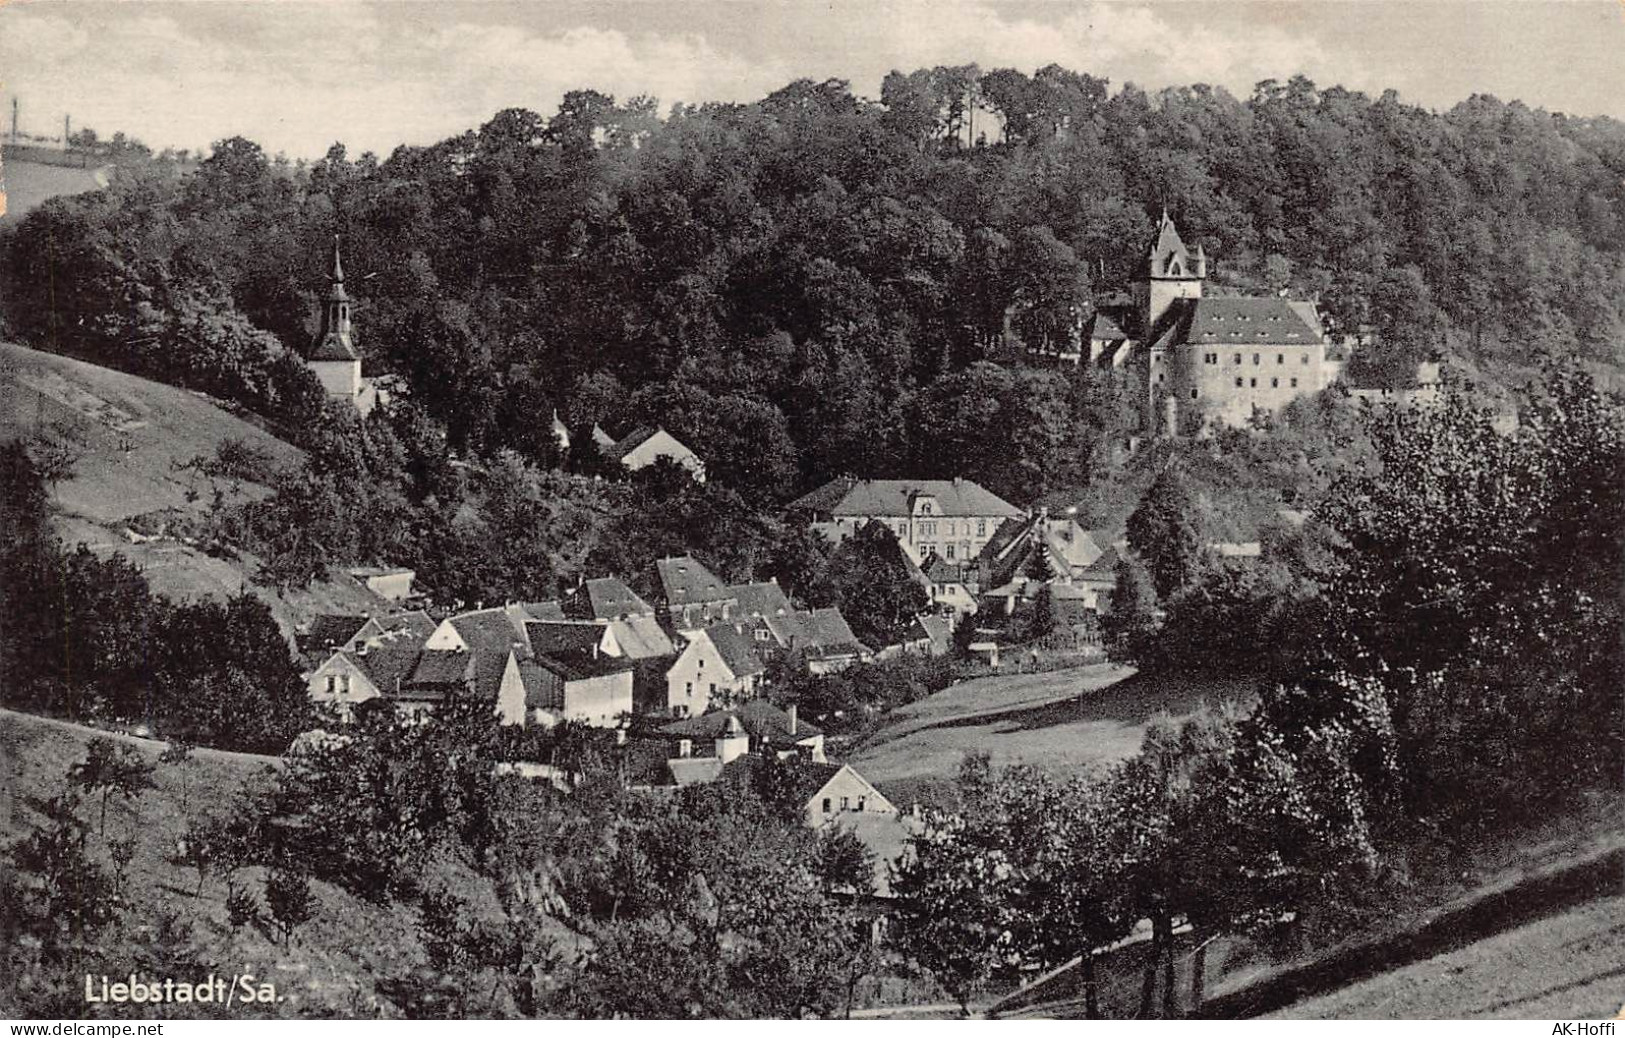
[{"x": 297, "y": 76}]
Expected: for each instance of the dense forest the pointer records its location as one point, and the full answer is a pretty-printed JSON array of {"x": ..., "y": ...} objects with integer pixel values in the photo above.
[{"x": 818, "y": 283}]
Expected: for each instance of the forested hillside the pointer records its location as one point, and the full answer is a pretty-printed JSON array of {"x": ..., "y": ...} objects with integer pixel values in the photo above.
[{"x": 800, "y": 285}]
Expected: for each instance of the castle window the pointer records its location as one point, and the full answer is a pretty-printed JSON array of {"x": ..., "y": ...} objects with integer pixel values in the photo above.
[
  {"x": 1238, "y": 381},
  {"x": 1255, "y": 358},
  {"x": 1275, "y": 383},
  {"x": 1252, "y": 383},
  {"x": 1294, "y": 383},
  {"x": 950, "y": 551},
  {"x": 1193, "y": 394},
  {"x": 1238, "y": 358},
  {"x": 1306, "y": 358},
  {"x": 1280, "y": 358}
]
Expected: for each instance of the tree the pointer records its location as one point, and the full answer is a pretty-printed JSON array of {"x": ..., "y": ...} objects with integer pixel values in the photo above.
[
  {"x": 1164, "y": 531},
  {"x": 178, "y": 753},
  {"x": 874, "y": 587},
  {"x": 1130, "y": 623},
  {"x": 111, "y": 768},
  {"x": 287, "y": 895},
  {"x": 954, "y": 911}
]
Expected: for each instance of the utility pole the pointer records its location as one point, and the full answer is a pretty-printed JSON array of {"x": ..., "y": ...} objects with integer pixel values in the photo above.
[
  {"x": 67, "y": 129},
  {"x": 14, "y": 118}
]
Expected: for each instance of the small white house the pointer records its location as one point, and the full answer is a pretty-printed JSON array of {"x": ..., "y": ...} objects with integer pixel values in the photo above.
[{"x": 718, "y": 662}]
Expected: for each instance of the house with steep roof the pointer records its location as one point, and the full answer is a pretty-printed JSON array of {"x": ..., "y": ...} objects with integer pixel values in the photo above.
[
  {"x": 693, "y": 596},
  {"x": 646, "y": 445},
  {"x": 610, "y": 598},
  {"x": 768, "y": 728},
  {"x": 953, "y": 518},
  {"x": 718, "y": 666},
  {"x": 1039, "y": 542},
  {"x": 951, "y": 585},
  {"x": 821, "y": 637},
  {"x": 391, "y": 583}
]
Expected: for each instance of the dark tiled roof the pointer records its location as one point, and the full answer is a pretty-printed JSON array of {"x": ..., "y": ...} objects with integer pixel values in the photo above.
[
  {"x": 332, "y": 346},
  {"x": 895, "y": 497},
  {"x": 686, "y": 582},
  {"x": 576, "y": 667},
  {"x": 822, "y": 632},
  {"x": 417, "y": 625},
  {"x": 612, "y": 599},
  {"x": 736, "y": 650},
  {"x": 441, "y": 667},
  {"x": 389, "y": 667},
  {"x": 759, "y": 717},
  {"x": 330, "y": 629},
  {"x": 1105, "y": 329},
  {"x": 549, "y": 610},
  {"x": 761, "y": 599},
  {"x": 551, "y": 637},
  {"x": 632, "y": 441},
  {"x": 1233, "y": 322}
]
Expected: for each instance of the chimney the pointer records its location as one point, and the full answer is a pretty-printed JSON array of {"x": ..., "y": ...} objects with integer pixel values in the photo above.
[{"x": 791, "y": 710}]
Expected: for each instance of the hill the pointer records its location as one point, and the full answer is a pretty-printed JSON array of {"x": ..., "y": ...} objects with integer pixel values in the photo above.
[
  {"x": 130, "y": 439},
  {"x": 28, "y": 185},
  {"x": 335, "y": 958}
]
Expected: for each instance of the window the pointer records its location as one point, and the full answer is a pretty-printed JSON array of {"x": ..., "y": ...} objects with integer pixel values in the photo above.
[
  {"x": 1294, "y": 383},
  {"x": 1280, "y": 358},
  {"x": 1238, "y": 381},
  {"x": 981, "y": 527},
  {"x": 332, "y": 684},
  {"x": 1255, "y": 359},
  {"x": 1252, "y": 383},
  {"x": 1238, "y": 358},
  {"x": 702, "y": 662},
  {"x": 950, "y": 529},
  {"x": 925, "y": 508},
  {"x": 1275, "y": 383},
  {"x": 1159, "y": 378},
  {"x": 689, "y": 690},
  {"x": 761, "y": 632},
  {"x": 860, "y": 803},
  {"x": 826, "y": 805},
  {"x": 1306, "y": 358},
  {"x": 713, "y": 688},
  {"x": 950, "y": 551},
  {"x": 845, "y": 804},
  {"x": 1193, "y": 394}
]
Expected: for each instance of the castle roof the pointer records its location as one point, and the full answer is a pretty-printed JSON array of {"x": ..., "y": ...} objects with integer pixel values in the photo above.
[{"x": 1233, "y": 321}]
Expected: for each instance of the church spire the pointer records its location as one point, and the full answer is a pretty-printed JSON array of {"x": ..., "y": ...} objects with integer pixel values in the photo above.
[{"x": 333, "y": 340}]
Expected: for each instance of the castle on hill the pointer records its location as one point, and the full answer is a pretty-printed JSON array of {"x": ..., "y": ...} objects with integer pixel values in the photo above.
[{"x": 1207, "y": 362}]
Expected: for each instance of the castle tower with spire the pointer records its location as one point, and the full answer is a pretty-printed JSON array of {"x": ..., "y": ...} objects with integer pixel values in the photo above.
[
  {"x": 1171, "y": 271},
  {"x": 333, "y": 357}
]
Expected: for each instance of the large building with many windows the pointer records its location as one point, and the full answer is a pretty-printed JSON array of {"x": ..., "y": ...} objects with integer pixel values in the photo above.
[
  {"x": 952, "y": 518},
  {"x": 1208, "y": 361}
]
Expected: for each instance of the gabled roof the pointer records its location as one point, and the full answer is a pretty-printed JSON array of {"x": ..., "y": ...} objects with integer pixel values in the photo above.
[
  {"x": 612, "y": 599},
  {"x": 856, "y": 498},
  {"x": 330, "y": 629},
  {"x": 553, "y": 637},
  {"x": 934, "y": 629},
  {"x": 416, "y": 624},
  {"x": 694, "y": 771},
  {"x": 332, "y": 346},
  {"x": 820, "y": 633},
  {"x": 388, "y": 667},
  {"x": 1233, "y": 321},
  {"x": 603, "y": 439},
  {"x": 763, "y": 598},
  {"x": 736, "y": 650},
  {"x": 1102, "y": 327},
  {"x": 939, "y": 570},
  {"x": 1104, "y": 567},
  {"x": 578, "y": 667},
  {"x": 631, "y": 441},
  {"x": 686, "y": 582},
  {"x": 642, "y": 638},
  {"x": 548, "y": 610}
]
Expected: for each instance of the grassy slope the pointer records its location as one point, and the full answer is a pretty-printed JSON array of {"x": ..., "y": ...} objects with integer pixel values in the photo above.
[
  {"x": 28, "y": 185},
  {"x": 334, "y": 960},
  {"x": 131, "y": 434},
  {"x": 1063, "y": 721}
]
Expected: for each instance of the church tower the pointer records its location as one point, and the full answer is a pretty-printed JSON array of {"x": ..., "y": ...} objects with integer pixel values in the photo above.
[
  {"x": 1171, "y": 272},
  {"x": 333, "y": 358}
]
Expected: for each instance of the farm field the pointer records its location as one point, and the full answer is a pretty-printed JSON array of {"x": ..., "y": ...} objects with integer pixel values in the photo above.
[{"x": 1063, "y": 721}]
